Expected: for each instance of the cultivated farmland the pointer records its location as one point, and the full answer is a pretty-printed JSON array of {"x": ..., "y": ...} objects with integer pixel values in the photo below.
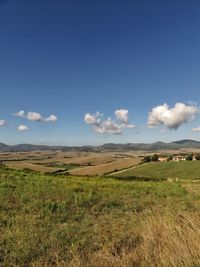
[{"x": 75, "y": 163}]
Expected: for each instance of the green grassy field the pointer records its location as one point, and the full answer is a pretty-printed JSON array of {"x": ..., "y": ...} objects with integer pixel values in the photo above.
[
  {"x": 70, "y": 221},
  {"x": 183, "y": 170}
]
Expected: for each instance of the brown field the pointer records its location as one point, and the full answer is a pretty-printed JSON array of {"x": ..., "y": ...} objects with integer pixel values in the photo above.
[
  {"x": 76, "y": 163},
  {"x": 107, "y": 168},
  {"x": 30, "y": 166}
]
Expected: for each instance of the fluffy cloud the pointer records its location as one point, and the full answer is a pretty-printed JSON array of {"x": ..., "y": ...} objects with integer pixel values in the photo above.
[
  {"x": 130, "y": 126},
  {"x": 90, "y": 119},
  {"x": 109, "y": 126},
  {"x": 20, "y": 113},
  {"x": 173, "y": 117},
  {"x": 196, "y": 129},
  {"x": 122, "y": 115},
  {"x": 51, "y": 118},
  {"x": 35, "y": 116},
  {"x": 22, "y": 128},
  {"x": 2, "y": 122},
  {"x": 93, "y": 118}
]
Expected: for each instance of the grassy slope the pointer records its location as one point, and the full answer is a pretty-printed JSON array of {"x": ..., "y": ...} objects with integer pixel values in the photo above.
[
  {"x": 58, "y": 221},
  {"x": 182, "y": 170}
]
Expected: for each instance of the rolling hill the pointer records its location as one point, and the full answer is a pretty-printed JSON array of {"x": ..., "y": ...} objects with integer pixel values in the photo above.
[{"x": 110, "y": 146}]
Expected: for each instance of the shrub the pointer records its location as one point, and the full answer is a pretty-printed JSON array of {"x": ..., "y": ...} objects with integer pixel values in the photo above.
[
  {"x": 146, "y": 159},
  {"x": 154, "y": 157}
]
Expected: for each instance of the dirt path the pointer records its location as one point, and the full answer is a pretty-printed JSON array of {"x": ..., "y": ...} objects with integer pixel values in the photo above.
[{"x": 127, "y": 169}]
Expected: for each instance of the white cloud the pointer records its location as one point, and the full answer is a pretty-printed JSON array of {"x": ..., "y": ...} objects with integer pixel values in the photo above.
[
  {"x": 90, "y": 119},
  {"x": 35, "y": 116},
  {"x": 93, "y": 118},
  {"x": 20, "y": 113},
  {"x": 109, "y": 126},
  {"x": 2, "y": 122},
  {"x": 130, "y": 126},
  {"x": 22, "y": 128},
  {"x": 171, "y": 117},
  {"x": 51, "y": 118},
  {"x": 196, "y": 129},
  {"x": 122, "y": 115}
]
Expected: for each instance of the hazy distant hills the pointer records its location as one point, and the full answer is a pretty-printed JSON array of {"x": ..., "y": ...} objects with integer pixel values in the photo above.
[
  {"x": 113, "y": 147},
  {"x": 29, "y": 147},
  {"x": 154, "y": 146}
]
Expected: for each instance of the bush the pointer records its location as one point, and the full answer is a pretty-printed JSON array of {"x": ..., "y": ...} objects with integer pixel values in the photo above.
[
  {"x": 189, "y": 157},
  {"x": 154, "y": 157},
  {"x": 146, "y": 159},
  {"x": 169, "y": 158},
  {"x": 197, "y": 156}
]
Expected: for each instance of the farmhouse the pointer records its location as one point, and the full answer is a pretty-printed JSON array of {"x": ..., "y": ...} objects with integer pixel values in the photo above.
[
  {"x": 178, "y": 158},
  {"x": 162, "y": 159},
  {"x": 194, "y": 157}
]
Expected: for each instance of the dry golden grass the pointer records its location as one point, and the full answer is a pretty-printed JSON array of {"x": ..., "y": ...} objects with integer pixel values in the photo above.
[
  {"x": 91, "y": 158},
  {"x": 91, "y": 163},
  {"x": 27, "y": 165},
  {"x": 97, "y": 222},
  {"x": 160, "y": 240},
  {"x": 101, "y": 169}
]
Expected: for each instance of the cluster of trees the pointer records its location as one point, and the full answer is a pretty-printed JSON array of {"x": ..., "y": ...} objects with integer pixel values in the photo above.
[
  {"x": 190, "y": 156},
  {"x": 152, "y": 158},
  {"x": 197, "y": 156}
]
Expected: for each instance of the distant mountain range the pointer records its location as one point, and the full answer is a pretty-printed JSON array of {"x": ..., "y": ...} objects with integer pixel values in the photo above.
[
  {"x": 154, "y": 146},
  {"x": 112, "y": 147}
]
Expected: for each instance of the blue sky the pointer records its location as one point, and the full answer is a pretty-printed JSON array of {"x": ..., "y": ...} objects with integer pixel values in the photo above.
[{"x": 70, "y": 58}]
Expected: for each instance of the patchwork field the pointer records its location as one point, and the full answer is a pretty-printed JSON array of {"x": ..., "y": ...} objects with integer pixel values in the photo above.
[
  {"x": 89, "y": 221},
  {"x": 103, "y": 209},
  {"x": 106, "y": 168},
  {"x": 182, "y": 170},
  {"x": 75, "y": 163}
]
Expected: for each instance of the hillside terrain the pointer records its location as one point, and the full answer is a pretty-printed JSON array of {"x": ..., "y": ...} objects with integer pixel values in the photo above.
[
  {"x": 165, "y": 170},
  {"x": 98, "y": 209},
  {"x": 113, "y": 147},
  {"x": 88, "y": 222},
  {"x": 72, "y": 162}
]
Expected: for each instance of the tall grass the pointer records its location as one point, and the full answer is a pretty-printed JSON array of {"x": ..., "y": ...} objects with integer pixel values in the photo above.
[
  {"x": 159, "y": 240},
  {"x": 96, "y": 222}
]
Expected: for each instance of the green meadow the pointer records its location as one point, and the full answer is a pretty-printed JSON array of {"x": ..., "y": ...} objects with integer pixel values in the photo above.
[
  {"x": 189, "y": 170},
  {"x": 49, "y": 220}
]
